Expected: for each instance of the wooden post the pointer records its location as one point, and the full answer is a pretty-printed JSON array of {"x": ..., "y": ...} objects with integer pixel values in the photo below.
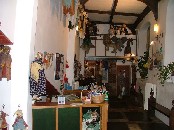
[
  {"x": 171, "y": 118},
  {"x": 151, "y": 102}
]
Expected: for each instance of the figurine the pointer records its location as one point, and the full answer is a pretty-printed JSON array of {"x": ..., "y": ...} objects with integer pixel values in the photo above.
[
  {"x": 19, "y": 123},
  {"x": 3, "y": 123}
]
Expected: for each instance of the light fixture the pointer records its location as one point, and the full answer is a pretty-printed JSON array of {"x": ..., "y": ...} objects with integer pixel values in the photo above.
[
  {"x": 152, "y": 42},
  {"x": 77, "y": 28},
  {"x": 156, "y": 27}
]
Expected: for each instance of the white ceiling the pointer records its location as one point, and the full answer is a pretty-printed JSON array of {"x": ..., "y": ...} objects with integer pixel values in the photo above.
[
  {"x": 102, "y": 5},
  {"x": 123, "y": 6},
  {"x": 131, "y": 6}
]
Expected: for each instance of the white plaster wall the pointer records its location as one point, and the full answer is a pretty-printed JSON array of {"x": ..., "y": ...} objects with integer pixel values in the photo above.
[
  {"x": 7, "y": 19},
  {"x": 51, "y": 33},
  {"x": 70, "y": 56},
  {"x": 169, "y": 57},
  {"x": 165, "y": 94},
  {"x": 165, "y": 20},
  {"x": 17, "y": 19}
]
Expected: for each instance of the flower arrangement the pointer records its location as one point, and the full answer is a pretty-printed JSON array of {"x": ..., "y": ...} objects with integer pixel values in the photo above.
[{"x": 143, "y": 65}]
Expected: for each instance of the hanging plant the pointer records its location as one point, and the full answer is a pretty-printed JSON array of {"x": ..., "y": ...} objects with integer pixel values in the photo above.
[
  {"x": 143, "y": 65},
  {"x": 86, "y": 45},
  {"x": 165, "y": 72}
]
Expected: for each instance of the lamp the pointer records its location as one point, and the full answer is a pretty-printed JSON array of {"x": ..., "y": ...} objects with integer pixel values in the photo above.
[{"x": 156, "y": 27}]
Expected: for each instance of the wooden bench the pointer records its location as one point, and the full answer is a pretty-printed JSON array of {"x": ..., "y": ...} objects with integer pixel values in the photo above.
[{"x": 153, "y": 105}]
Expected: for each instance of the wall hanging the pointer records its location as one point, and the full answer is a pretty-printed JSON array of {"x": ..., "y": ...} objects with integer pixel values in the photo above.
[
  {"x": 59, "y": 70},
  {"x": 47, "y": 59},
  {"x": 5, "y": 57},
  {"x": 37, "y": 77},
  {"x": 5, "y": 62},
  {"x": 77, "y": 68}
]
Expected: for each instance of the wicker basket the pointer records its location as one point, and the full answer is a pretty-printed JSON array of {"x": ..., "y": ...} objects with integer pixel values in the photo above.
[{"x": 98, "y": 98}]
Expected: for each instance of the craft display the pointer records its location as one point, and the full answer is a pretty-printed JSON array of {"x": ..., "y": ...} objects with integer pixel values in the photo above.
[
  {"x": 59, "y": 70},
  {"x": 3, "y": 122},
  {"x": 19, "y": 123},
  {"x": 5, "y": 62},
  {"x": 37, "y": 77},
  {"x": 91, "y": 118},
  {"x": 118, "y": 30}
]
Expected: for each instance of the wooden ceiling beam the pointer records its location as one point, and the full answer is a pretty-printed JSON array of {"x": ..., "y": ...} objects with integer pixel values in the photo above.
[
  {"x": 113, "y": 10},
  {"x": 142, "y": 15},
  {"x": 153, "y": 5},
  {"x": 83, "y": 2},
  {"x": 97, "y": 11},
  {"x": 109, "y": 12}
]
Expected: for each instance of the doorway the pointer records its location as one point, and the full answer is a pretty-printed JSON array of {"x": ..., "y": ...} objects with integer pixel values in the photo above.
[{"x": 119, "y": 76}]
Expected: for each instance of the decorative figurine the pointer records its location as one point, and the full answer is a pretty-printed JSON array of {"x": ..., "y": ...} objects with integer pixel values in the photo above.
[
  {"x": 3, "y": 123},
  {"x": 19, "y": 123}
]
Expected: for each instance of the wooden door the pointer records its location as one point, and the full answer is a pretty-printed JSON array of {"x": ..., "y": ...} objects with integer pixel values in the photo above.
[
  {"x": 123, "y": 78},
  {"x": 112, "y": 79}
]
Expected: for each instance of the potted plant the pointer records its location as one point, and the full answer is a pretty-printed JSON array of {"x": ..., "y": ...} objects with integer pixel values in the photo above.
[
  {"x": 143, "y": 65},
  {"x": 165, "y": 72}
]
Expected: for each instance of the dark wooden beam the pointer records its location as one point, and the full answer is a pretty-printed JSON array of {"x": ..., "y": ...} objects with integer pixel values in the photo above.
[
  {"x": 153, "y": 5},
  {"x": 97, "y": 11},
  {"x": 142, "y": 15},
  {"x": 109, "y": 12},
  {"x": 113, "y": 10},
  {"x": 126, "y": 14},
  {"x": 83, "y": 2},
  {"x": 99, "y": 22}
]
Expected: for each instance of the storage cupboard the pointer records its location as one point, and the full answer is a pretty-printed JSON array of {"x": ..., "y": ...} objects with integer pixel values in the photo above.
[{"x": 71, "y": 116}]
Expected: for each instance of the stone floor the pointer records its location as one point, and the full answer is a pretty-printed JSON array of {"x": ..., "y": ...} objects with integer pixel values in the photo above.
[{"x": 124, "y": 115}]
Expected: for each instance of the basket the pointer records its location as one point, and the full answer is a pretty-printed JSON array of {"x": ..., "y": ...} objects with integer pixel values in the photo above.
[{"x": 98, "y": 98}]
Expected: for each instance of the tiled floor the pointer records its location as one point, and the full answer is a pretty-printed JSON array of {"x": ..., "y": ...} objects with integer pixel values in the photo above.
[{"x": 125, "y": 116}]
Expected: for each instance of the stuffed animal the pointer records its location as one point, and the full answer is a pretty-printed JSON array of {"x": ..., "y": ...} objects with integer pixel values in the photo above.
[{"x": 19, "y": 123}]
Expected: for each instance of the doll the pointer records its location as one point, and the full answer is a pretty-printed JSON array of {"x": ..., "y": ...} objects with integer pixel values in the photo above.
[
  {"x": 19, "y": 123},
  {"x": 3, "y": 123}
]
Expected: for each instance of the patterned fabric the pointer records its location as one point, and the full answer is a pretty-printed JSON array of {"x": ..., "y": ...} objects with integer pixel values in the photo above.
[{"x": 38, "y": 88}]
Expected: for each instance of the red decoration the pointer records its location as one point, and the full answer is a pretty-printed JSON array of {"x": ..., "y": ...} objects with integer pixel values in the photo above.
[
  {"x": 4, "y": 40},
  {"x": 67, "y": 66},
  {"x": 65, "y": 79}
]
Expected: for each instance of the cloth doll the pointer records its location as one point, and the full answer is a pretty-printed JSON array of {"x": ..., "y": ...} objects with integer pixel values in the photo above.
[
  {"x": 3, "y": 123},
  {"x": 19, "y": 123}
]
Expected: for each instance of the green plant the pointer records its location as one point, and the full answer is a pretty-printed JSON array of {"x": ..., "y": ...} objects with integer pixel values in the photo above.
[
  {"x": 165, "y": 72},
  {"x": 143, "y": 65}
]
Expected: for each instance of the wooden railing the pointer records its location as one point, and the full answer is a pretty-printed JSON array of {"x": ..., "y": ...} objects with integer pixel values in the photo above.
[{"x": 153, "y": 105}]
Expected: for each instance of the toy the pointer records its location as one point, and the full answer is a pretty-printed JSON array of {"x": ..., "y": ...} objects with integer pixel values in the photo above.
[
  {"x": 19, "y": 123},
  {"x": 3, "y": 123}
]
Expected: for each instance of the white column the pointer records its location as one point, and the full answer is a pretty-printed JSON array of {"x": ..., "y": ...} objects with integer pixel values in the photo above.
[
  {"x": 21, "y": 59},
  {"x": 70, "y": 55}
]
